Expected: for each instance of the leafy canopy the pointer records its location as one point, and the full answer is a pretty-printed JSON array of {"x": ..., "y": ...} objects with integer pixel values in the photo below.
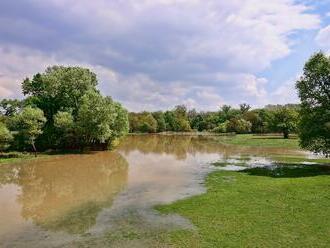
[{"x": 314, "y": 92}]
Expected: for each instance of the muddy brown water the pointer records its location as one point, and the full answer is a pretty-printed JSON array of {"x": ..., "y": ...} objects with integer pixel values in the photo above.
[{"x": 63, "y": 200}]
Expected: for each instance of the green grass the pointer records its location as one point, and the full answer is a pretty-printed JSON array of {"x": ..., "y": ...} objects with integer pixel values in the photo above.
[
  {"x": 262, "y": 141},
  {"x": 289, "y": 159},
  {"x": 286, "y": 207},
  {"x": 13, "y": 157}
]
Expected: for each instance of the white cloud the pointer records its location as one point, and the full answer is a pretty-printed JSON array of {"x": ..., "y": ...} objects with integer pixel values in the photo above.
[
  {"x": 285, "y": 93},
  {"x": 155, "y": 54},
  {"x": 323, "y": 37}
]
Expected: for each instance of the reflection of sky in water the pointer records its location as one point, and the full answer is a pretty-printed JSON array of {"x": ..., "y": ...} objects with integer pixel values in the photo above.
[{"x": 55, "y": 200}]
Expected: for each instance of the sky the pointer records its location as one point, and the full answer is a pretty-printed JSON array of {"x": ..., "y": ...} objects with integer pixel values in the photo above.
[{"x": 155, "y": 54}]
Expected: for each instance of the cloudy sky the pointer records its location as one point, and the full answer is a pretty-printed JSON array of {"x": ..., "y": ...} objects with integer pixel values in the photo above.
[{"x": 154, "y": 54}]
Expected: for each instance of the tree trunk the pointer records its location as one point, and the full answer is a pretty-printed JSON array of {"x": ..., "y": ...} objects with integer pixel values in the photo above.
[
  {"x": 34, "y": 149},
  {"x": 286, "y": 134}
]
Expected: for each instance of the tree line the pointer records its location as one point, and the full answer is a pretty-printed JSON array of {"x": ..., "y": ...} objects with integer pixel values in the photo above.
[
  {"x": 270, "y": 119},
  {"x": 62, "y": 110}
]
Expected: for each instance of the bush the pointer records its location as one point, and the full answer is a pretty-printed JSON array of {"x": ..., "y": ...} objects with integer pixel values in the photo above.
[
  {"x": 222, "y": 128},
  {"x": 239, "y": 125}
]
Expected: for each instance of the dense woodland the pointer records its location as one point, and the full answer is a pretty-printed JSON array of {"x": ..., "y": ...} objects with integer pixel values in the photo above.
[
  {"x": 64, "y": 110},
  {"x": 272, "y": 118}
]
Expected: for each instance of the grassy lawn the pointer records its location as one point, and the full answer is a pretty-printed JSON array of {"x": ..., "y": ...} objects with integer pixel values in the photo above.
[
  {"x": 263, "y": 141},
  {"x": 286, "y": 207}
]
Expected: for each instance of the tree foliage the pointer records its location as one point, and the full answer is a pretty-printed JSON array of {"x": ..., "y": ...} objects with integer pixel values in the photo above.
[
  {"x": 77, "y": 114},
  {"x": 314, "y": 92},
  {"x": 5, "y": 137},
  {"x": 29, "y": 123},
  {"x": 284, "y": 120}
]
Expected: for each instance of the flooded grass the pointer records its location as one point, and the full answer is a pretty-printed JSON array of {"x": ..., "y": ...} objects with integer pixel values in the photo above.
[{"x": 261, "y": 141}]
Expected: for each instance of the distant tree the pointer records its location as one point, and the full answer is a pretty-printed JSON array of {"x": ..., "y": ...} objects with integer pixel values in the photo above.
[
  {"x": 244, "y": 108},
  {"x": 160, "y": 118},
  {"x": 284, "y": 120},
  {"x": 314, "y": 92},
  {"x": 171, "y": 121},
  {"x": 5, "y": 137},
  {"x": 29, "y": 123},
  {"x": 182, "y": 122},
  {"x": 257, "y": 120},
  {"x": 227, "y": 112},
  {"x": 239, "y": 125},
  {"x": 142, "y": 122}
]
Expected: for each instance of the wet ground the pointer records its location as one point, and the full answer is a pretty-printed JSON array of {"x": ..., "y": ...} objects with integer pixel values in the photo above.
[{"x": 71, "y": 200}]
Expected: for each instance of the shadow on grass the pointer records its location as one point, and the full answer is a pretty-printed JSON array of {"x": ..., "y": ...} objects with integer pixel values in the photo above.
[
  {"x": 273, "y": 137},
  {"x": 284, "y": 170}
]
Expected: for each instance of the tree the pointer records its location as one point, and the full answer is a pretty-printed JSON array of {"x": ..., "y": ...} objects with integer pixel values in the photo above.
[
  {"x": 160, "y": 118},
  {"x": 181, "y": 116},
  {"x": 29, "y": 123},
  {"x": 244, "y": 108},
  {"x": 256, "y": 117},
  {"x": 5, "y": 137},
  {"x": 95, "y": 119},
  {"x": 314, "y": 93},
  {"x": 227, "y": 112},
  {"x": 59, "y": 88},
  {"x": 284, "y": 120},
  {"x": 120, "y": 125},
  {"x": 142, "y": 122},
  {"x": 64, "y": 123}
]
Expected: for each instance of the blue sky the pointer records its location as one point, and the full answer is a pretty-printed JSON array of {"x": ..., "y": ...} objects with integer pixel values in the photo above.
[{"x": 155, "y": 54}]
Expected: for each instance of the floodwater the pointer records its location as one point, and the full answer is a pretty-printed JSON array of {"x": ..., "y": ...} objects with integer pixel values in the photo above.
[{"x": 67, "y": 200}]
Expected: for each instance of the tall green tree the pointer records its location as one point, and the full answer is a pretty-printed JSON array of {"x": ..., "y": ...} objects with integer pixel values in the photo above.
[
  {"x": 59, "y": 88},
  {"x": 29, "y": 123},
  {"x": 314, "y": 93},
  {"x": 284, "y": 120}
]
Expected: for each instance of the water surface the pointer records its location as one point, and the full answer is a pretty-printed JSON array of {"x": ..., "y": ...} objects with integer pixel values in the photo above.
[{"x": 65, "y": 200}]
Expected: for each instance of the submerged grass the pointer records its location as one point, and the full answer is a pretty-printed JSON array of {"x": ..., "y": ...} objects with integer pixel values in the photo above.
[
  {"x": 13, "y": 157},
  {"x": 258, "y": 208},
  {"x": 261, "y": 140}
]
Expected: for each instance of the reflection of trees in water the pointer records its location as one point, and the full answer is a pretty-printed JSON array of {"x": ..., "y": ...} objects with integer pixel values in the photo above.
[
  {"x": 181, "y": 145},
  {"x": 67, "y": 193}
]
